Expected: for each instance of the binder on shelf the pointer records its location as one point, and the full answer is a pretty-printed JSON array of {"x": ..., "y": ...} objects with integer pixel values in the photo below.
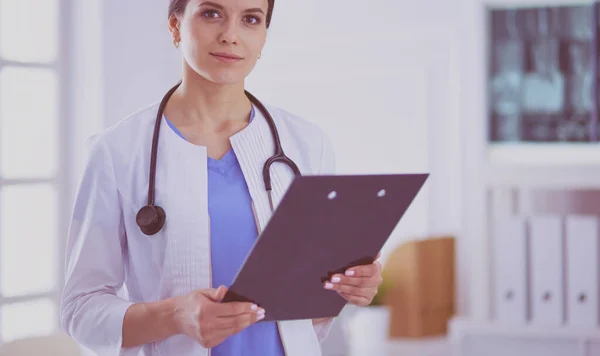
[
  {"x": 510, "y": 288},
  {"x": 547, "y": 278},
  {"x": 582, "y": 271}
]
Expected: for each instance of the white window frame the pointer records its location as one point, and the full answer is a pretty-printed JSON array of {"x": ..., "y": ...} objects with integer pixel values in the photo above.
[{"x": 62, "y": 179}]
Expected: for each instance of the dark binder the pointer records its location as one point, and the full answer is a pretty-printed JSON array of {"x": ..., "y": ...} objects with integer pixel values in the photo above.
[{"x": 322, "y": 226}]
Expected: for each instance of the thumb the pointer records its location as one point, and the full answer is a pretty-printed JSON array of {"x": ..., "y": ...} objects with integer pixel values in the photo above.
[{"x": 216, "y": 295}]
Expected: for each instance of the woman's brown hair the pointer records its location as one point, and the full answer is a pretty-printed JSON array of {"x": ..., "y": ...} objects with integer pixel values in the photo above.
[{"x": 177, "y": 7}]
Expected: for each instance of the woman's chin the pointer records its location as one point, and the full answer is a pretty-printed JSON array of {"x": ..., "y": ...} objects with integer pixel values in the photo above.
[{"x": 226, "y": 76}]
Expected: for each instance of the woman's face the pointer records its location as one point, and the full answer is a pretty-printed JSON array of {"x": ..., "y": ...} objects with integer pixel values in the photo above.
[{"x": 221, "y": 40}]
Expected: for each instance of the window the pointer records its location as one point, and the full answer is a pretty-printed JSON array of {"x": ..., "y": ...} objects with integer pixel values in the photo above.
[{"x": 31, "y": 167}]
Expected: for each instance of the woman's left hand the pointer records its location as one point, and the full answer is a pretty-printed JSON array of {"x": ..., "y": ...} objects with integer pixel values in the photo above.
[{"x": 359, "y": 284}]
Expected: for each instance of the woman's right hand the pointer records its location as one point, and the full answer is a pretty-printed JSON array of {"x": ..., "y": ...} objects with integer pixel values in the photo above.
[{"x": 201, "y": 316}]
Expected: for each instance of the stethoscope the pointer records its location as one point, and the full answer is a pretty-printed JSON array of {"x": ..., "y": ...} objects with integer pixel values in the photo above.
[{"x": 151, "y": 218}]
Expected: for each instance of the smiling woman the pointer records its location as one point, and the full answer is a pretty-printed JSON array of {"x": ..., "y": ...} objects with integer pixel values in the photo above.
[
  {"x": 220, "y": 41},
  {"x": 215, "y": 145}
]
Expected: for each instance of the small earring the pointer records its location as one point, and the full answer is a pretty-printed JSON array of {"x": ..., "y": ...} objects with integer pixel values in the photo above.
[{"x": 176, "y": 43}]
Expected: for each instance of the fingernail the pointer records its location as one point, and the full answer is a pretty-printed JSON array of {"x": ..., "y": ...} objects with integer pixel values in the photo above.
[
  {"x": 335, "y": 279},
  {"x": 328, "y": 285},
  {"x": 260, "y": 317},
  {"x": 350, "y": 273},
  {"x": 254, "y": 307},
  {"x": 261, "y": 311}
]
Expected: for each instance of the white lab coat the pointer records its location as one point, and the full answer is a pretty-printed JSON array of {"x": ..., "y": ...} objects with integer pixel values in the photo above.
[{"x": 106, "y": 249}]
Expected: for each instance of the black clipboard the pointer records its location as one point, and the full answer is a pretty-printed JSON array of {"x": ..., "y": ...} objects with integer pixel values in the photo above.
[{"x": 322, "y": 226}]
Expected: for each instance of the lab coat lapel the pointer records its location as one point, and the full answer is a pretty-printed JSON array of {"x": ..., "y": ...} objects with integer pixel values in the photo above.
[
  {"x": 182, "y": 189},
  {"x": 253, "y": 146}
]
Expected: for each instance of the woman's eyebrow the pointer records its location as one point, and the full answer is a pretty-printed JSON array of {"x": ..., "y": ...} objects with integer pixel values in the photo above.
[
  {"x": 220, "y": 7},
  {"x": 211, "y": 4},
  {"x": 255, "y": 9}
]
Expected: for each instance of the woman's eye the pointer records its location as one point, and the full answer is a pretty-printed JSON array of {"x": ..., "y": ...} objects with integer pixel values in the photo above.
[
  {"x": 253, "y": 20},
  {"x": 211, "y": 14}
]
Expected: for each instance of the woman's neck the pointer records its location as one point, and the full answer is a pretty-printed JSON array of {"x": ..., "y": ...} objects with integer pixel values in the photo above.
[{"x": 198, "y": 101}]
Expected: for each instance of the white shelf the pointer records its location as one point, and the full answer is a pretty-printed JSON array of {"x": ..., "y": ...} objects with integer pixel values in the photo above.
[
  {"x": 562, "y": 165},
  {"x": 544, "y": 154},
  {"x": 533, "y": 3},
  {"x": 475, "y": 338},
  {"x": 460, "y": 327},
  {"x": 542, "y": 177}
]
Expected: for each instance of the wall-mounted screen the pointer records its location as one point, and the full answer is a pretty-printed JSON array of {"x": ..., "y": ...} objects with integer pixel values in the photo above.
[{"x": 543, "y": 74}]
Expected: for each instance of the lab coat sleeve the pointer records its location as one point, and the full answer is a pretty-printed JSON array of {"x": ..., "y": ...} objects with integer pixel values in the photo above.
[
  {"x": 91, "y": 311},
  {"x": 326, "y": 167},
  {"x": 327, "y": 164}
]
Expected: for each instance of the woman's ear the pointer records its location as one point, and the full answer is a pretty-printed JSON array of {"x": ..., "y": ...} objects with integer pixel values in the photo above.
[{"x": 174, "y": 28}]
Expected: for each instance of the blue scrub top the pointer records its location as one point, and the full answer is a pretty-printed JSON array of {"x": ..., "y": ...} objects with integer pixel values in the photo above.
[{"x": 233, "y": 232}]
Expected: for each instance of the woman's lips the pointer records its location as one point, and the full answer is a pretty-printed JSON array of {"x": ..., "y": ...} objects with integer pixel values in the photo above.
[{"x": 226, "y": 57}]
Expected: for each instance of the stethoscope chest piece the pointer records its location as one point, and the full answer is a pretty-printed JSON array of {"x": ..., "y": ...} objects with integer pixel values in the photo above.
[{"x": 151, "y": 219}]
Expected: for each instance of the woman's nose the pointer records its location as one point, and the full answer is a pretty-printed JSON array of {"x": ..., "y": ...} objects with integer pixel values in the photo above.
[{"x": 229, "y": 35}]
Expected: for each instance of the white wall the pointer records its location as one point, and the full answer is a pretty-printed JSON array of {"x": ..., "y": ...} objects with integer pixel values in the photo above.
[
  {"x": 139, "y": 59},
  {"x": 122, "y": 59},
  {"x": 409, "y": 51},
  {"x": 383, "y": 80}
]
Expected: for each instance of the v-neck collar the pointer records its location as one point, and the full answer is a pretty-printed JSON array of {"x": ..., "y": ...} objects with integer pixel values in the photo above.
[
  {"x": 225, "y": 163},
  {"x": 178, "y": 132},
  {"x": 252, "y": 146}
]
